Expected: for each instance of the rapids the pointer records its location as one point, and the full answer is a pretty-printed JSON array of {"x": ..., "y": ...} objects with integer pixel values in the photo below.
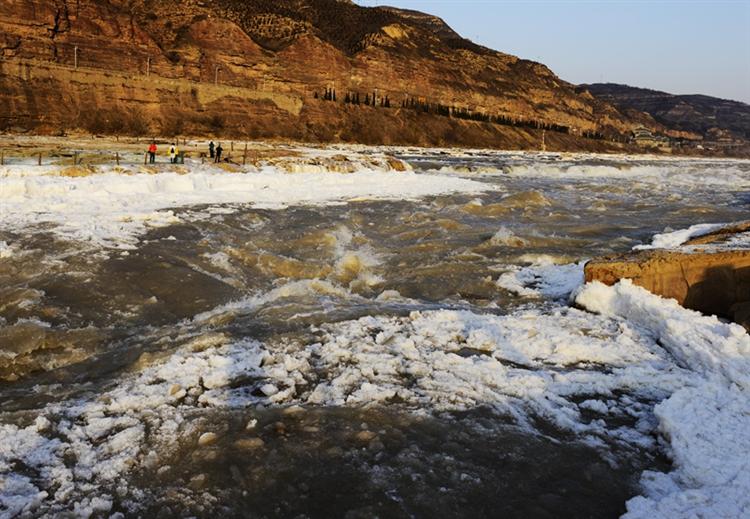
[{"x": 412, "y": 357}]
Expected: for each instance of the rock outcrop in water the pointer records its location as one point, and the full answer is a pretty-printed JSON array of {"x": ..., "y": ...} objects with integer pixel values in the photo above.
[
  {"x": 261, "y": 69},
  {"x": 713, "y": 280}
]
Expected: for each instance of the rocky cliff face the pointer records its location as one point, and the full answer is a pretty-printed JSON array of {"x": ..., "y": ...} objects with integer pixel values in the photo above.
[
  {"x": 708, "y": 117},
  {"x": 253, "y": 68}
]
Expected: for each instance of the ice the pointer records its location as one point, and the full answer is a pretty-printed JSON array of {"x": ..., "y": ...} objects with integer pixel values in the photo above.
[
  {"x": 647, "y": 171},
  {"x": 111, "y": 208},
  {"x": 703, "y": 344},
  {"x": 521, "y": 365},
  {"x": 707, "y": 423},
  {"x": 708, "y": 428},
  {"x": 544, "y": 278},
  {"x": 529, "y": 363},
  {"x": 673, "y": 239},
  {"x": 18, "y": 495}
]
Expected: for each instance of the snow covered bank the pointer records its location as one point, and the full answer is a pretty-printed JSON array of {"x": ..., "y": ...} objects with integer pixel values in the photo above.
[
  {"x": 707, "y": 424},
  {"x": 112, "y": 208}
]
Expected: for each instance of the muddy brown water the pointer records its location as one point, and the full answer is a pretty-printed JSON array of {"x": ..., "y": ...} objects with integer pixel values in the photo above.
[{"x": 73, "y": 320}]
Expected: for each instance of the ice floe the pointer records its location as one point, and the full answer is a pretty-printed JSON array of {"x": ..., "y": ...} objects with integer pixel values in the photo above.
[
  {"x": 523, "y": 365},
  {"x": 544, "y": 278}
]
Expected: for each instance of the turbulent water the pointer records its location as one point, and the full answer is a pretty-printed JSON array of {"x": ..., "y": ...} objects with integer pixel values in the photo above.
[{"x": 397, "y": 358}]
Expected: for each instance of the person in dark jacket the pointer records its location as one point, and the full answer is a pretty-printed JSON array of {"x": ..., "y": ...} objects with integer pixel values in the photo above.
[
  {"x": 219, "y": 149},
  {"x": 211, "y": 149}
]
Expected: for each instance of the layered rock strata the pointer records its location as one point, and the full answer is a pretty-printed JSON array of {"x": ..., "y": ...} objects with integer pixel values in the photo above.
[{"x": 252, "y": 68}]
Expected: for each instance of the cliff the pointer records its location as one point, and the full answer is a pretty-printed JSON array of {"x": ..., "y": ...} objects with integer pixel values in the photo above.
[
  {"x": 254, "y": 68},
  {"x": 709, "y": 117}
]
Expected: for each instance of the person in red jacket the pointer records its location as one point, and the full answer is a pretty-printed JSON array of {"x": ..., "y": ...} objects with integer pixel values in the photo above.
[{"x": 152, "y": 152}]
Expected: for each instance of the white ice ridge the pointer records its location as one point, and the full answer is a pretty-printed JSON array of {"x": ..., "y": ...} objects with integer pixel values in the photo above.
[
  {"x": 700, "y": 343},
  {"x": 111, "y": 208},
  {"x": 680, "y": 172},
  {"x": 707, "y": 424},
  {"x": 672, "y": 239}
]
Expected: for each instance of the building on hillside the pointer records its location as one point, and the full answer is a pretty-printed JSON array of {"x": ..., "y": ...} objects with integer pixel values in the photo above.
[{"x": 644, "y": 137}]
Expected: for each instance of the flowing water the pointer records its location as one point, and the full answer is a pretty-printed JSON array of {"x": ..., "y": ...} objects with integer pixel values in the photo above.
[{"x": 349, "y": 360}]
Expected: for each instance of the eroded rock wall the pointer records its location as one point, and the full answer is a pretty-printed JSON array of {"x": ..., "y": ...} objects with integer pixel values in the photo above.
[{"x": 127, "y": 49}]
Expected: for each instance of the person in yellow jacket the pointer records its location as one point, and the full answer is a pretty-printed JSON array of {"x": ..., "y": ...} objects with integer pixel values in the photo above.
[{"x": 173, "y": 153}]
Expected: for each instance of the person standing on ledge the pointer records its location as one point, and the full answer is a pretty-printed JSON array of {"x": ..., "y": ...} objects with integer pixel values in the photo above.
[
  {"x": 211, "y": 149},
  {"x": 219, "y": 149},
  {"x": 152, "y": 153},
  {"x": 172, "y": 153}
]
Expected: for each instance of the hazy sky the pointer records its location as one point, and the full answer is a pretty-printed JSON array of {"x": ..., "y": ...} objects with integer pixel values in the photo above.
[{"x": 679, "y": 46}]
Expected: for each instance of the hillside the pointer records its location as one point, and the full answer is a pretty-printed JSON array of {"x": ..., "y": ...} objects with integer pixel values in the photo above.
[
  {"x": 260, "y": 68},
  {"x": 709, "y": 117}
]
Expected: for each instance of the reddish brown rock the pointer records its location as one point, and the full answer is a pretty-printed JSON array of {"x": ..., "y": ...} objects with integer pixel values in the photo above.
[
  {"x": 146, "y": 66},
  {"x": 710, "y": 282}
]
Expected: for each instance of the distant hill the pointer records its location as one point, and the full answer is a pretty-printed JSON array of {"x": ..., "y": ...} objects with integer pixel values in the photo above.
[{"x": 704, "y": 115}]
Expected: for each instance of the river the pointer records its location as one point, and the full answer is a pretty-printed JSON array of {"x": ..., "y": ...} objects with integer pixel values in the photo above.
[{"x": 403, "y": 356}]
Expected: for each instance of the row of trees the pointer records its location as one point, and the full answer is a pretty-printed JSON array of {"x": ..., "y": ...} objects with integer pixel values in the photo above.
[
  {"x": 354, "y": 98},
  {"x": 412, "y": 103},
  {"x": 472, "y": 115}
]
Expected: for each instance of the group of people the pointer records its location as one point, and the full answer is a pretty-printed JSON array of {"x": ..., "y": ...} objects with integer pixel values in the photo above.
[
  {"x": 174, "y": 153},
  {"x": 215, "y": 151}
]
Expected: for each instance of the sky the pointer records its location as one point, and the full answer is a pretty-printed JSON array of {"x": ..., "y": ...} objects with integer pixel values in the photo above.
[{"x": 678, "y": 46}]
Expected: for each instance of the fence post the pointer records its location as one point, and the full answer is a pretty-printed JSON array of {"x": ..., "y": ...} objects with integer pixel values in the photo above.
[
  {"x": 231, "y": 145},
  {"x": 145, "y": 158},
  {"x": 40, "y": 159},
  {"x": 117, "y": 157},
  {"x": 75, "y": 158},
  {"x": 244, "y": 156},
  {"x": 2, "y": 158}
]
